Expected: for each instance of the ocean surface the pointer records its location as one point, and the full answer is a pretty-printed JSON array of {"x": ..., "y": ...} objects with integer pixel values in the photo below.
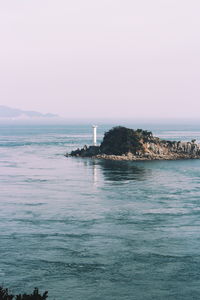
[{"x": 87, "y": 229}]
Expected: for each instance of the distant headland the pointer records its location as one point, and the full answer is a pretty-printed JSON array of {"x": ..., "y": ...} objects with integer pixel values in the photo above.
[
  {"x": 121, "y": 143},
  {"x": 17, "y": 114}
]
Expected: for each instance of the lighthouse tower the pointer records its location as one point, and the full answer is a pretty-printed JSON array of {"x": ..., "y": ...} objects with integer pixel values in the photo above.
[{"x": 94, "y": 135}]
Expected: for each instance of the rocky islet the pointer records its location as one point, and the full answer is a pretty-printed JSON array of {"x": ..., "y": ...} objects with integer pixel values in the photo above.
[{"x": 121, "y": 143}]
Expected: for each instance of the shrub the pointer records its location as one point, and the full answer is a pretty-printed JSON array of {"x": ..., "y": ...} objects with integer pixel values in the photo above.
[{"x": 4, "y": 295}]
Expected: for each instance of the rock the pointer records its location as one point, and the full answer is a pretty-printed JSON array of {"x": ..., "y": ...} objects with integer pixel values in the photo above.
[{"x": 85, "y": 151}]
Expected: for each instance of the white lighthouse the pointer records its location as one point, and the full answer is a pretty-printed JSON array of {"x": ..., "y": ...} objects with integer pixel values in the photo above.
[{"x": 94, "y": 135}]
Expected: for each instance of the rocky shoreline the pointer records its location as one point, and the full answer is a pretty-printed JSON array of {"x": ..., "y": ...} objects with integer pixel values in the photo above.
[
  {"x": 131, "y": 157},
  {"x": 143, "y": 158},
  {"x": 121, "y": 143}
]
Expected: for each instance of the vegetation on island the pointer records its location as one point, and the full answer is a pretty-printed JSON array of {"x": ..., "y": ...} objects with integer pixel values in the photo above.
[
  {"x": 5, "y": 295},
  {"x": 121, "y": 140}
]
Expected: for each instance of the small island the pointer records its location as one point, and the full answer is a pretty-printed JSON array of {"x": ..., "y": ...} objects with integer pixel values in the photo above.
[{"x": 121, "y": 143}]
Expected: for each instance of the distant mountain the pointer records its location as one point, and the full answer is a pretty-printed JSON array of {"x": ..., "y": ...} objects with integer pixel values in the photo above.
[{"x": 14, "y": 113}]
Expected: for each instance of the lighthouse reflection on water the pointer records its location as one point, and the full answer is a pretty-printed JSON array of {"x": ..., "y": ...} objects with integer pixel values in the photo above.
[{"x": 94, "y": 144}]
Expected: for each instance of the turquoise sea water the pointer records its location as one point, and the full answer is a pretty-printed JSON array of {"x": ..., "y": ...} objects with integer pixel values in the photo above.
[{"x": 93, "y": 229}]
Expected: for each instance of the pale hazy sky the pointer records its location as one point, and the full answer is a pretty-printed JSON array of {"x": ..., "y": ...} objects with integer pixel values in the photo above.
[{"x": 105, "y": 58}]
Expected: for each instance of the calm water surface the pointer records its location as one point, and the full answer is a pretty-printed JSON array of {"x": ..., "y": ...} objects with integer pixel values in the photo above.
[{"x": 94, "y": 229}]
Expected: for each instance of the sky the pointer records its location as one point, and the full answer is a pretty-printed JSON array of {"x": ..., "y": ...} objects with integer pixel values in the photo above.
[{"x": 122, "y": 59}]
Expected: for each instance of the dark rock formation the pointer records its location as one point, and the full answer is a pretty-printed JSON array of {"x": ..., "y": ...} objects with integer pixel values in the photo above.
[
  {"x": 121, "y": 143},
  {"x": 86, "y": 151}
]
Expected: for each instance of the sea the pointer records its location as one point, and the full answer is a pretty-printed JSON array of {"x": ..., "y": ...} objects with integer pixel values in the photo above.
[{"x": 88, "y": 229}]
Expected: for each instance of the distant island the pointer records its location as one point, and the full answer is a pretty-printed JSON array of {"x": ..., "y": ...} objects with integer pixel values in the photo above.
[
  {"x": 14, "y": 113},
  {"x": 121, "y": 143}
]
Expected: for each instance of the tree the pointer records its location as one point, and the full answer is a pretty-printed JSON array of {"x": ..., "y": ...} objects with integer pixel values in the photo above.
[{"x": 121, "y": 140}]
